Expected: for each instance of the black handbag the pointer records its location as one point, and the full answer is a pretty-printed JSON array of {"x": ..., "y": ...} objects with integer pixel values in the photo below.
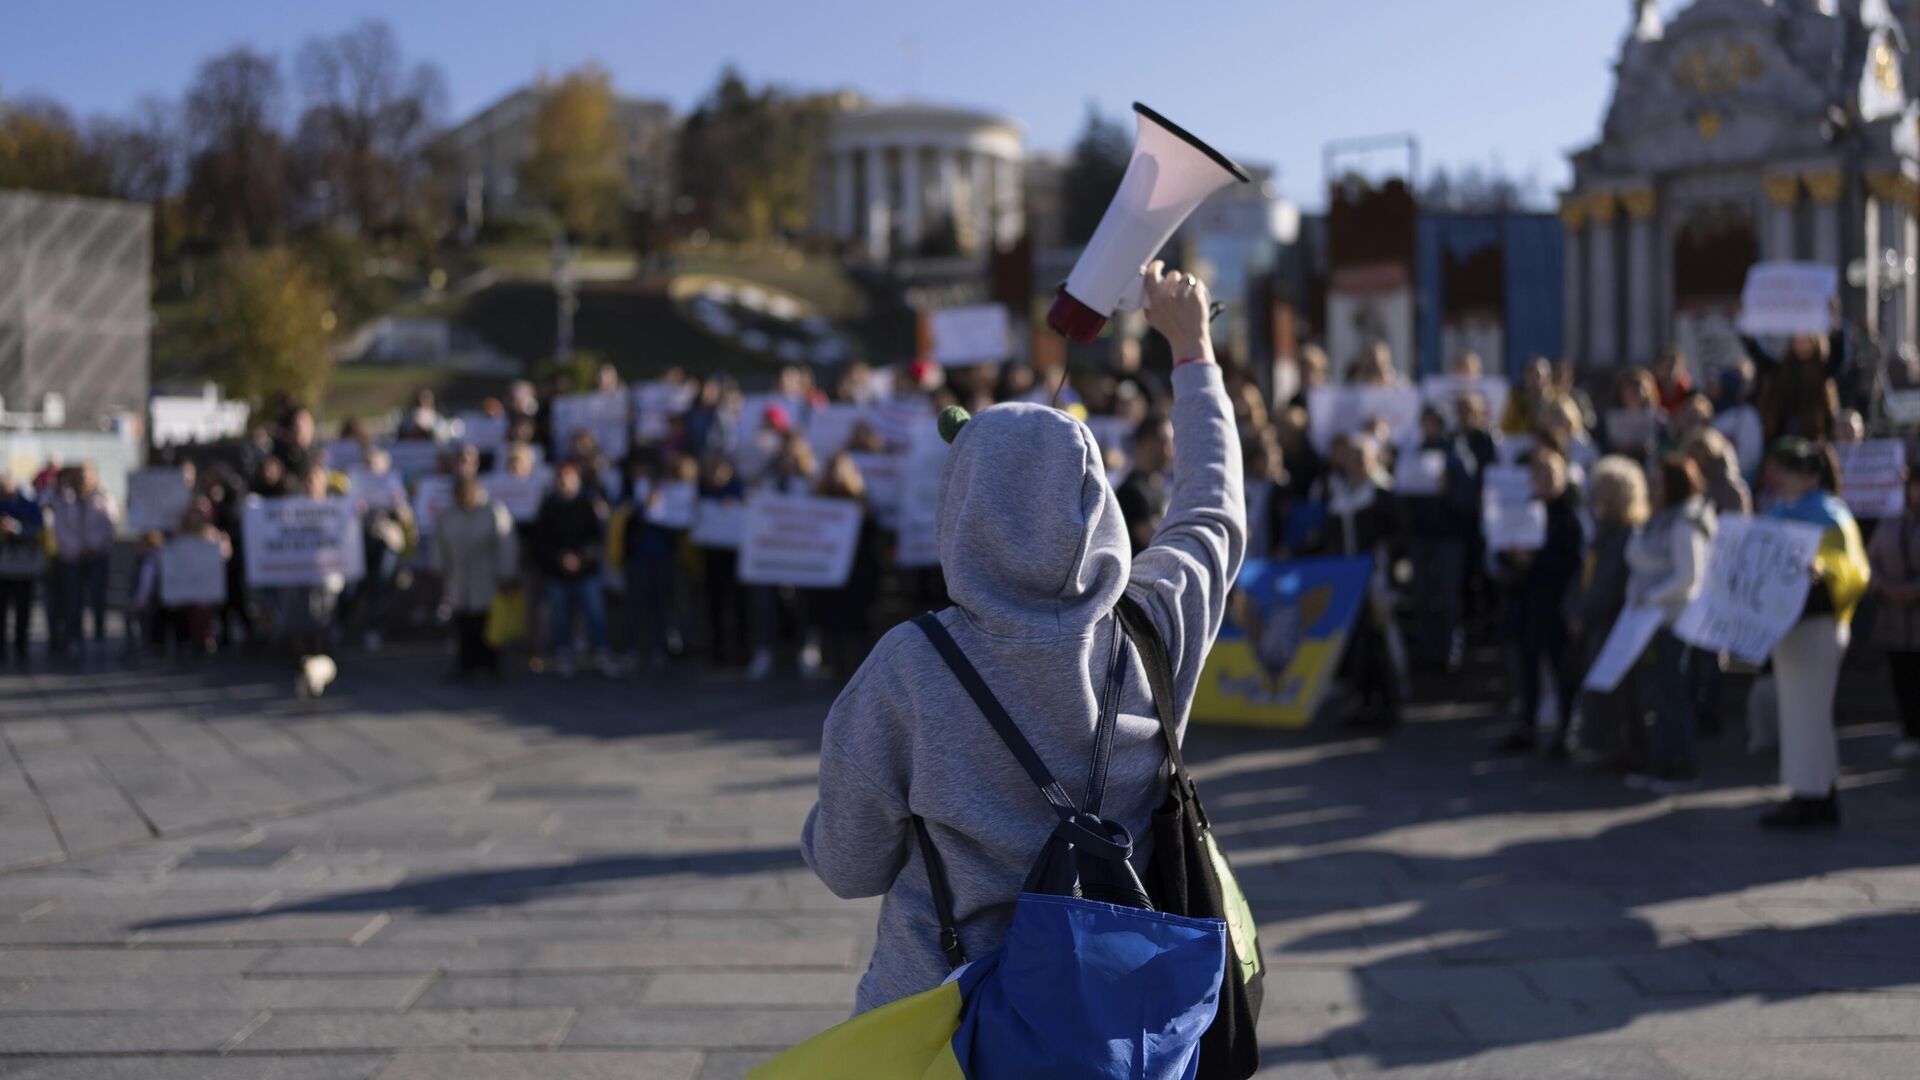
[{"x": 1189, "y": 875}]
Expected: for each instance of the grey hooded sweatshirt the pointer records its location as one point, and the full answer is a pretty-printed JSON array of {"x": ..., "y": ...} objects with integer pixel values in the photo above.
[{"x": 1036, "y": 555}]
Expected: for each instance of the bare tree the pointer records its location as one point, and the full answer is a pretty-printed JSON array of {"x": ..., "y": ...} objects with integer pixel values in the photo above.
[
  {"x": 362, "y": 138},
  {"x": 140, "y": 153},
  {"x": 237, "y": 176}
]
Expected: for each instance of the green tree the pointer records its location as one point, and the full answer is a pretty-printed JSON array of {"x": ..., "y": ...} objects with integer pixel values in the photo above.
[
  {"x": 576, "y": 167},
  {"x": 1100, "y": 157},
  {"x": 265, "y": 324},
  {"x": 748, "y": 158}
]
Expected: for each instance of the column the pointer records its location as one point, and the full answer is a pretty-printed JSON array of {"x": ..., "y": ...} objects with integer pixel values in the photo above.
[
  {"x": 1573, "y": 216},
  {"x": 1603, "y": 305},
  {"x": 879, "y": 213},
  {"x": 1009, "y": 209},
  {"x": 1873, "y": 254},
  {"x": 912, "y": 199},
  {"x": 946, "y": 180},
  {"x": 1643, "y": 320},
  {"x": 1783, "y": 194},
  {"x": 980, "y": 196},
  {"x": 1824, "y": 189},
  {"x": 846, "y": 215}
]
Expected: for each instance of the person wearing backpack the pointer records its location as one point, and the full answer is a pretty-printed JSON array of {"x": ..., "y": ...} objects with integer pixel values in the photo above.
[{"x": 1037, "y": 558}]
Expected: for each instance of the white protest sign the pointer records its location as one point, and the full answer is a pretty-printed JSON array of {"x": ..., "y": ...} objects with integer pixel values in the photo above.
[
  {"x": 431, "y": 497},
  {"x": 1787, "y": 298},
  {"x": 156, "y": 498},
  {"x": 1903, "y": 406},
  {"x": 719, "y": 523},
  {"x": 883, "y": 474},
  {"x": 800, "y": 540},
  {"x": 674, "y": 506},
  {"x": 1445, "y": 391},
  {"x": 895, "y": 421},
  {"x": 830, "y": 428},
  {"x": 974, "y": 334},
  {"x": 192, "y": 571},
  {"x": 342, "y": 455},
  {"x": 520, "y": 495},
  {"x": 654, "y": 402},
  {"x": 176, "y": 420},
  {"x": 482, "y": 431},
  {"x": 1510, "y": 517},
  {"x": 1420, "y": 472},
  {"x": 1631, "y": 632},
  {"x": 604, "y": 414},
  {"x": 1511, "y": 448},
  {"x": 1756, "y": 587},
  {"x": 379, "y": 491},
  {"x": 295, "y": 541},
  {"x": 1333, "y": 411},
  {"x": 1631, "y": 431},
  {"x": 1871, "y": 477}
]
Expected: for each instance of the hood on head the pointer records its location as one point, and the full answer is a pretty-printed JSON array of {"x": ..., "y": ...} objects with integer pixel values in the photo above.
[{"x": 1031, "y": 538}]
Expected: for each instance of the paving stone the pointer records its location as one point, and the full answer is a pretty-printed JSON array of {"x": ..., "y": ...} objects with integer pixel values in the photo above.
[
  {"x": 257, "y": 857},
  {"x": 207, "y": 993},
  {"x": 478, "y": 1028},
  {"x": 528, "y": 990},
  {"x": 732, "y": 1065},
  {"x": 568, "y": 1064},
  {"x": 119, "y": 1032},
  {"x": 819, "y": 988},
  {"x": 116, "y": 962},
  {"x": 717, "y": 1028},
  {"x": 1510, "y": 1063},
  {"x": 195, "y": 1067},
  {"x": 563, "y": 792}
]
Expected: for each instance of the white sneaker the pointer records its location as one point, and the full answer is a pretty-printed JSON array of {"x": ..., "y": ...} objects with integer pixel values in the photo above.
[
  {"x": 760, "y": 666},
  {"x": 1906, "y": 752},
  {"x": 810, "y": 661}
]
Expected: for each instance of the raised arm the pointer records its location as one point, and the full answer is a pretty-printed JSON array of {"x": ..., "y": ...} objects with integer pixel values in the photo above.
[{"x": 1182, "y": 578}]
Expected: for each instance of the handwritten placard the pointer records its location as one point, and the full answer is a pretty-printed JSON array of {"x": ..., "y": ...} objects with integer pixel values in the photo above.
[
  {"x": 1510, "y": 517},
  {"x": 520, "y": 495},
  {"x": 1755, "y": 588},
  {"x": 605, "y": 414},
  {"x": 800, "y": 540},
  {"x": 1342, "y": 410},
  {"x": 1872, "y": 477},
  {"x": 1788, "y": 298},
  {"x": 296, "y": 541},
  {"x": 719, "y": 523},
  {"x": 156, "y": 498},
  {"x": 192, "y": 572}
]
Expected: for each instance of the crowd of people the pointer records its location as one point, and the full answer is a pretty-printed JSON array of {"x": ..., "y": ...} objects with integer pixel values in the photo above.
[{"x": 1623, "y": 495}]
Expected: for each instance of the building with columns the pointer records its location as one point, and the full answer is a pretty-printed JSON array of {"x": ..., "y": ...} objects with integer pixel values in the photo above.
[
  {"x": 1742, "y": 131},
  {"x": 912, "y": 179}
]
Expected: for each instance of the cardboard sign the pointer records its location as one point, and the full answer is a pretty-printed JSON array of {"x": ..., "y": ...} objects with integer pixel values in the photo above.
[
  {"x": 1788, "y": 298},
  {"x": 296, "y": 541},
  {"x": 192, "y": 572},
  {"x": 1756, "y": 586},
  {"x": 1420, "y": 472},
  {"x": 1631, "y": 632},
  {"x": 1286, "y": 628},
  {"x": 1511, "y": 519},
  {"x": 414, "y": 457},
  {"x": 156, "y": 498},
  {"x": 830, "y": 428},
  {"x": 1445, "y": 391},
  {"x": 719, "y": 523},
  {"x": 675, "y": 506},
  {"x": 520, "y": 495},
  {"x": 431, "y": 496},
  {"x": 974, "y": 334},
  {"x": 605, "y": 414},
  {"x": 654, "y": 402},
  {"x": 1903, "y": 406},
  {"x": 1631, "y": 431},
  {"x": 1333, "y": 411},
  {"x": 1871, "y": 477},
  {"x": 800, "y": 540},
  {"x": 379, "y": 491}
]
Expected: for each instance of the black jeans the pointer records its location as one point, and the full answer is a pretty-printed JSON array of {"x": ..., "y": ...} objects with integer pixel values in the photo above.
[
  {"x": 1904, "y": 666},
  {"x": 16, "y": 600},
  {"x": 475, "y": 654}
]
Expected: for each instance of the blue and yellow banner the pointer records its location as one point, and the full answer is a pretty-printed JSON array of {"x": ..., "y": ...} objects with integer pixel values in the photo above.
[{"x": 1286, "y": 629}]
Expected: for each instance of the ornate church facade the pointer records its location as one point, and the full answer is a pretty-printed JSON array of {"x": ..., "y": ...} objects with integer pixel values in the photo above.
[{"x": 1742, "y": 131}]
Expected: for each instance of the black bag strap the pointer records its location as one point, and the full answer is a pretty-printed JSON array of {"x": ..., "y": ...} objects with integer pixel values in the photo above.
[
  {"x": 942, "y": 895},
  {"x": 1153, "y": 656},
  {"x": 1109, "y": 722}
]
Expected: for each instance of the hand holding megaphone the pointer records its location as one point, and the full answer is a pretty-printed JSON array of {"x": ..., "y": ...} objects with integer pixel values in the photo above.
[{"x": 1179, "y": 306}]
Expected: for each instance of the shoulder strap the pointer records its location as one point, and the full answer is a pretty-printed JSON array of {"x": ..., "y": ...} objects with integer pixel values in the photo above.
[
  {"x": 1153, "y": 655},
  {"x": 942, "y": 895},
  {"x": 996, "y": 715},
  {"x": 1104, "y": 728}
]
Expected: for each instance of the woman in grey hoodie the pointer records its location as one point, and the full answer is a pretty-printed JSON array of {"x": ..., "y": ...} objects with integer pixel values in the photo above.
[{"x": 1035, "y": 555}]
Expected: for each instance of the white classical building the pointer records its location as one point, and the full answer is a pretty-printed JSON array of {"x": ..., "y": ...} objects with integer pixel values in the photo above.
[{"x": 913, "y": 178}]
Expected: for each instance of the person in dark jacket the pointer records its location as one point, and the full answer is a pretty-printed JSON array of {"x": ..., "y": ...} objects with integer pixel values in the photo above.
[
  {"x": 1449, "y": 516},
  {"x": 568, "y": 533},
  {"x": 1143, "y": 494},
  {"x": 1798, "y": 394},
  {"x": 1537, "y": 591},
  {"x": 1363, "y": 519},
  {"x": 23, "y": 559}
]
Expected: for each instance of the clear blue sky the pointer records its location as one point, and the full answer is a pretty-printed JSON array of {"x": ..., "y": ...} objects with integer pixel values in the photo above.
[{"x": 1514, "y": 81}]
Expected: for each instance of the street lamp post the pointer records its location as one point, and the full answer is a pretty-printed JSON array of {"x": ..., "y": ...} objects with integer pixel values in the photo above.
[{"x": 566, "y": 299}]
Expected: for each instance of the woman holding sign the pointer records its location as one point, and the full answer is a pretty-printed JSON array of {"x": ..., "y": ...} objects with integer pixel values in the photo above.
[
  {"x": 1895, "y": 556},
  {"x": 1806, "y": 663},
  {"x": 1667, "y": 564}
]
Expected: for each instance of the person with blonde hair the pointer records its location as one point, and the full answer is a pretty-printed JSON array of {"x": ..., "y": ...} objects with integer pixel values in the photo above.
[
  {"x": 1609, "y": 722},
  {"x": 1719, "y": 467},
  {"x": 1667, "y": 561}
]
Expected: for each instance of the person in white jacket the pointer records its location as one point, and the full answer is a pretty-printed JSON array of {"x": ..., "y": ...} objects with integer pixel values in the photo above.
[{"x": 1666, "y": 564}]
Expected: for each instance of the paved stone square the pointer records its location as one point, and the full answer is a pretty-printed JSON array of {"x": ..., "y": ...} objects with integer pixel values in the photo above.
[{"x": 412, "y": 879}]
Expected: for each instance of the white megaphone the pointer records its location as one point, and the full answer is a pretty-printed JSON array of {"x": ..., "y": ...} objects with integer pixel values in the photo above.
[{"x": 1170, "y": 175}]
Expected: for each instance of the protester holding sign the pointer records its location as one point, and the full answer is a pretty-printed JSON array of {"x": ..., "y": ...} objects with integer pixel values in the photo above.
[
  {"x": 1894, "y": 556},
  {"x": 1806, "y": 663},
  {"x": 722, "y": 498},
  {"x": 193, "y": 578},
  {"x": 1610, "y": 722},
  {"x": 1363, "y": 519},
  {"x": 475, "y": 554},
  {"x": 568, "y": 535},
  {"x": 1449, "y": 517},
  {"x": 1668, "y": 562},
  {"x": 85, "y": 517},
  {"x": 663, "y": 510},
  {"x": 1798, "y": 393},
  {"x": 1536, "y": 584}
]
